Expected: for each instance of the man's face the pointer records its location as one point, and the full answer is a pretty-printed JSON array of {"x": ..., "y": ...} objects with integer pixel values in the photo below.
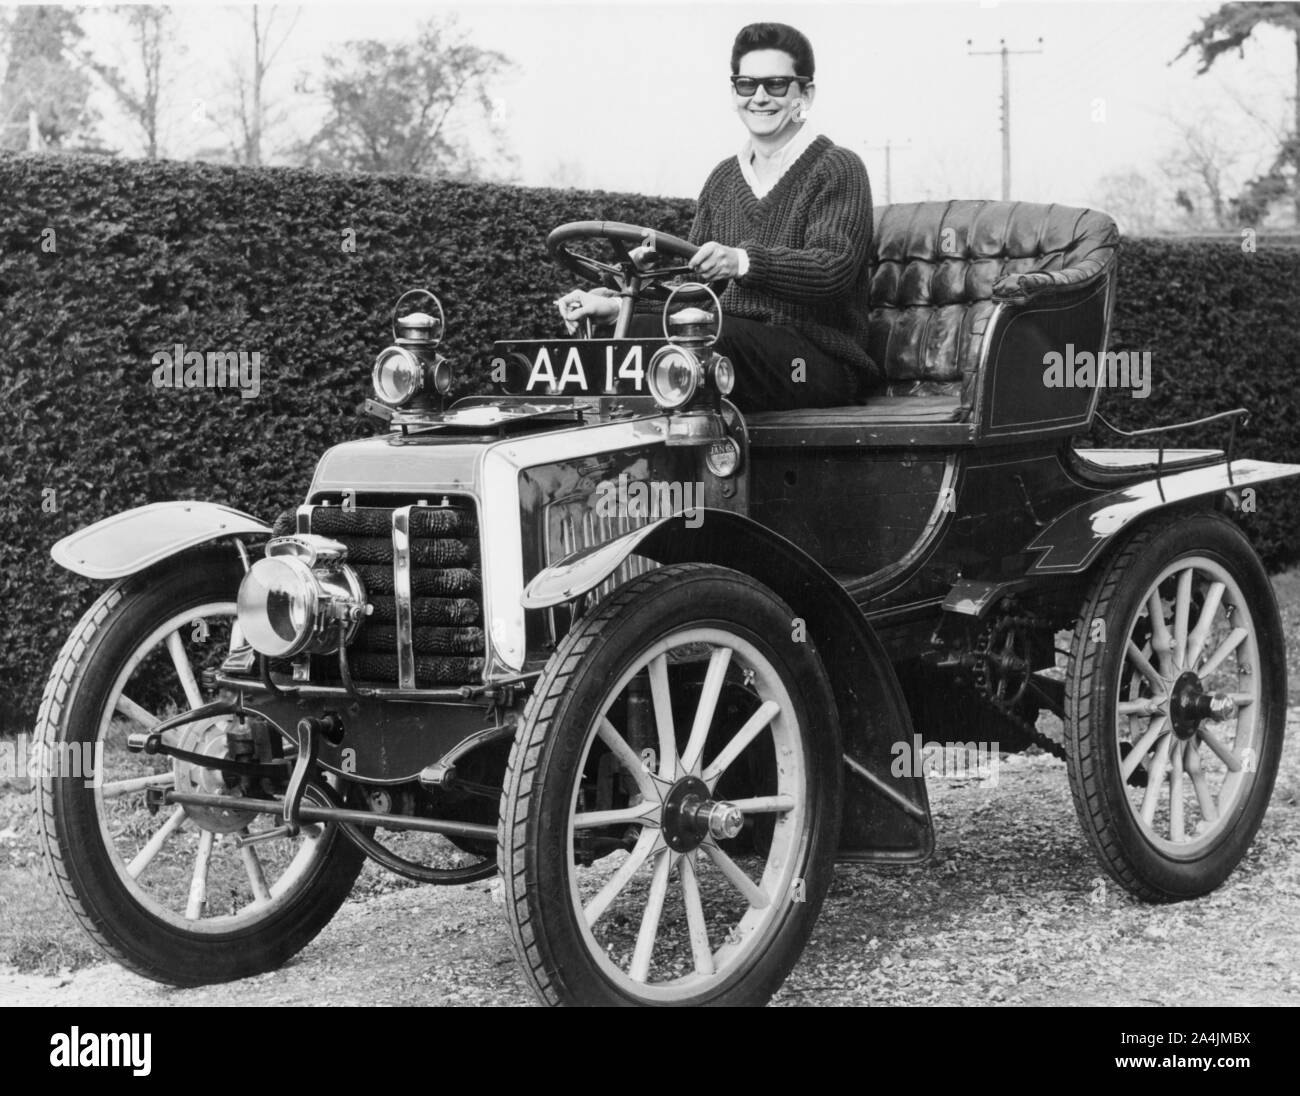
[{"x": 768, "y": 115}]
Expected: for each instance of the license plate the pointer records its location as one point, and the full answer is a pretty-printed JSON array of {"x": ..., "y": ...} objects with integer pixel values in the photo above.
[{"x": 577, "y": 367}]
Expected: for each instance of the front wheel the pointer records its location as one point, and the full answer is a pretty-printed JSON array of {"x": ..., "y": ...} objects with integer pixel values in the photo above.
[
  {"x": 1176, "y": 707},
  {"x": 184, "y": 895},
  {"x": 671, "y": 808}
]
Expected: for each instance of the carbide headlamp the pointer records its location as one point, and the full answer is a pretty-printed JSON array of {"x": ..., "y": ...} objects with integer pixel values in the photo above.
[
  {"x": 301, "y": 599},
  {"x": 413, "y": 365},
  {"x": 722, "y": 375},
  {"x": 398, "y": 375},
  {"x": 673, "y": 376},
  {"x": 678, "y": 372}
]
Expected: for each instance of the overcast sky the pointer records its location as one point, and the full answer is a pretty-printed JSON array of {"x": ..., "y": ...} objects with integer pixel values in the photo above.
[{"x": 633, "y": 96}]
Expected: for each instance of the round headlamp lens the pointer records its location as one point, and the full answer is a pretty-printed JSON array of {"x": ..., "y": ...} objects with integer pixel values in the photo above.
[
  {"x": 724, "y": 375},
  {"x": 397, "y": 376},
  {"x": 442, "y": 376},
  {"x": 673, "y": 376},
  {"x": 277, "y": 606}
]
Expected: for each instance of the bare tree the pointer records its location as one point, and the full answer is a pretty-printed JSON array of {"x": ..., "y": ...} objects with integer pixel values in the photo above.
[
  {"x": 251, "y": 115},
  {"x": 393, "y": 107},
  {"x": 1202, "y": 171},
  {"x": 1132, "y": 199},
  {"x": 1226, "y": 29},
  {"x": 153, "y": 44}
]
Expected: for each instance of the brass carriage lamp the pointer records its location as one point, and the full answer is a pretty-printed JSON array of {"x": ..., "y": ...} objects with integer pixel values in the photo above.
[
  {"x": 302, "y": 598},
  {"x": 411, "y": 370},
  {"x": 688, "y": 378}
]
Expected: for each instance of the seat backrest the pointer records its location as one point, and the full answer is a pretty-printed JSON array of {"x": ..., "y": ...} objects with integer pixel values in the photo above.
[{"x": 934, "y": 266}]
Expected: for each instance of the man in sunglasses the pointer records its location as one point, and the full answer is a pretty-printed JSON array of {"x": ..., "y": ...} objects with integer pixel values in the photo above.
[{"x": 788, "y": 220}]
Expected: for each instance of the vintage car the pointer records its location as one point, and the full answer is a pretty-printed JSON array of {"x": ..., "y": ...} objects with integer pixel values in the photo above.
[{"x": 657, "y": 663}]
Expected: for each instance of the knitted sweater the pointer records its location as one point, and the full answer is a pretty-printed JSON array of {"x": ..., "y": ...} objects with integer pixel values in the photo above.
[{"x": 807, "y": 242}]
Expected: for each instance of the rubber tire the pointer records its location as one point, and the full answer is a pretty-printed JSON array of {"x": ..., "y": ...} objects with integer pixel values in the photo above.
[
  {"x": 75, "y": 695},
  {"x": 546, "y": 753},
  {"x": 1093, "y": 758}
]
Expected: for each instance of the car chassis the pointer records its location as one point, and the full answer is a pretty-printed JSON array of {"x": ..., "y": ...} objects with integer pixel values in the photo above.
[{"x": 655, "y": 661}]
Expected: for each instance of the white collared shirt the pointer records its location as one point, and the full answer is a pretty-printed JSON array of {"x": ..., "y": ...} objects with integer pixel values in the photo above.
[{"x": 784, "y": 160}]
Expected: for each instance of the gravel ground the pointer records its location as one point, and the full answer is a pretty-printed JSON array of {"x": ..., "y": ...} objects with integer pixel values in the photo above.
[{"x": 1011, "y": 910}]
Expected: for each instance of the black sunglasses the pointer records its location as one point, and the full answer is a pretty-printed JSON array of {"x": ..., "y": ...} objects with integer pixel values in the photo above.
[{"x": 774, "y": 85}]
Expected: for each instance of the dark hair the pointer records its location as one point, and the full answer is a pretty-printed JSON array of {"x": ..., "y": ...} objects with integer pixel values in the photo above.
[{"x": 774, "y": 36}]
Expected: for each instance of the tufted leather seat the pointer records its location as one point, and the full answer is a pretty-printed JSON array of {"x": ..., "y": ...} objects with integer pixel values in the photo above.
[{"x": 940, "y": 267}]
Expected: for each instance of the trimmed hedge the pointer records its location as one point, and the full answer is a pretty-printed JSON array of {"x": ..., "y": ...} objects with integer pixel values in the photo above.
[
  {"x": 105, "y": 263},
  {"x": 303, "y": 267},
  {"x": 1223, "y": 329}
]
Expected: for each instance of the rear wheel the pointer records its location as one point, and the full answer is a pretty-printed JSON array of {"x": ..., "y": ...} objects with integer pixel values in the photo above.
[
  {"x": 672, "y": 801},
  {"x": 177, "y": 894},
  {"x": 1176, "y": 707}
]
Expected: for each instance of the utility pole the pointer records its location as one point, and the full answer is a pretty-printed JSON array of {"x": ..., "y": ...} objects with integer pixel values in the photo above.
[
  {"x": 889, "y": 147},
  {"x": 1005, "y": 54}
]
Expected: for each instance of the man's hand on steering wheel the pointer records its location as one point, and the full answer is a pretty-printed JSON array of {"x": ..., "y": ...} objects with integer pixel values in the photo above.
[
  {"x": 714, "y": 262},
  {"x": 649, "y": 258},
  {"x": 598, "y": 305}
]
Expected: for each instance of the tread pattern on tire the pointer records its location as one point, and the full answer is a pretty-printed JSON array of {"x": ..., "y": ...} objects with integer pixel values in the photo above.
[
  {"x": 48, "y": 719},
  {"x": 525, "y": 756},
  {"x": 1081, "y": 746},
  {"x": 1086, "y": 769}
]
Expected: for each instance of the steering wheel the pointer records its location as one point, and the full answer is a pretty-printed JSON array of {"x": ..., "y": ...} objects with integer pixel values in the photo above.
[{"x": 623, "y": 275}]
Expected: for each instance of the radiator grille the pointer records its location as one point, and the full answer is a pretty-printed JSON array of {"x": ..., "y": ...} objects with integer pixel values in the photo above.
[
  {"x": 446, "y": 594},
  {"x": 574, "y": 525}
]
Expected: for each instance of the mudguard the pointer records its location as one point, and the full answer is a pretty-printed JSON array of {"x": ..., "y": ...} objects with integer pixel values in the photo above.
[
  {"x": 1073, "y": 541},
  {"x": 886, "y": 817},
  {"x": 133, "y": 540}
]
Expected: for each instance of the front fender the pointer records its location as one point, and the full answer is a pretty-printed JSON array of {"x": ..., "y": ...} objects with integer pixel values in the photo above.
[
  {"x": 886, "y": 816},
  {"x": 133, "y": 540}
]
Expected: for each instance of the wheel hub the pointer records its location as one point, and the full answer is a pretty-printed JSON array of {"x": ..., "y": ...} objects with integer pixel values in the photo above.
[
  {"x": 690, "y": 815},
  {"x": 1190, "y": 705},
  {"x": 208, "y": 739}
]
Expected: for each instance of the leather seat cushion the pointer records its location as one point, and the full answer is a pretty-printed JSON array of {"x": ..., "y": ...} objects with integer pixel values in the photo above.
[{"x": 934, "y": 269}]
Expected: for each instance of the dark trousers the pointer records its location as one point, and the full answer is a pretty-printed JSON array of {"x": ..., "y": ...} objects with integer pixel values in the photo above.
[{"x": 777, "y": 369}]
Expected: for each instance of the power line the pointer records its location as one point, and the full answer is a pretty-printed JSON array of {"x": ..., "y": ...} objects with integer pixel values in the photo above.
[
  {"x": 1005, "y": 54},
  {"x": 888, "y": 148}
]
